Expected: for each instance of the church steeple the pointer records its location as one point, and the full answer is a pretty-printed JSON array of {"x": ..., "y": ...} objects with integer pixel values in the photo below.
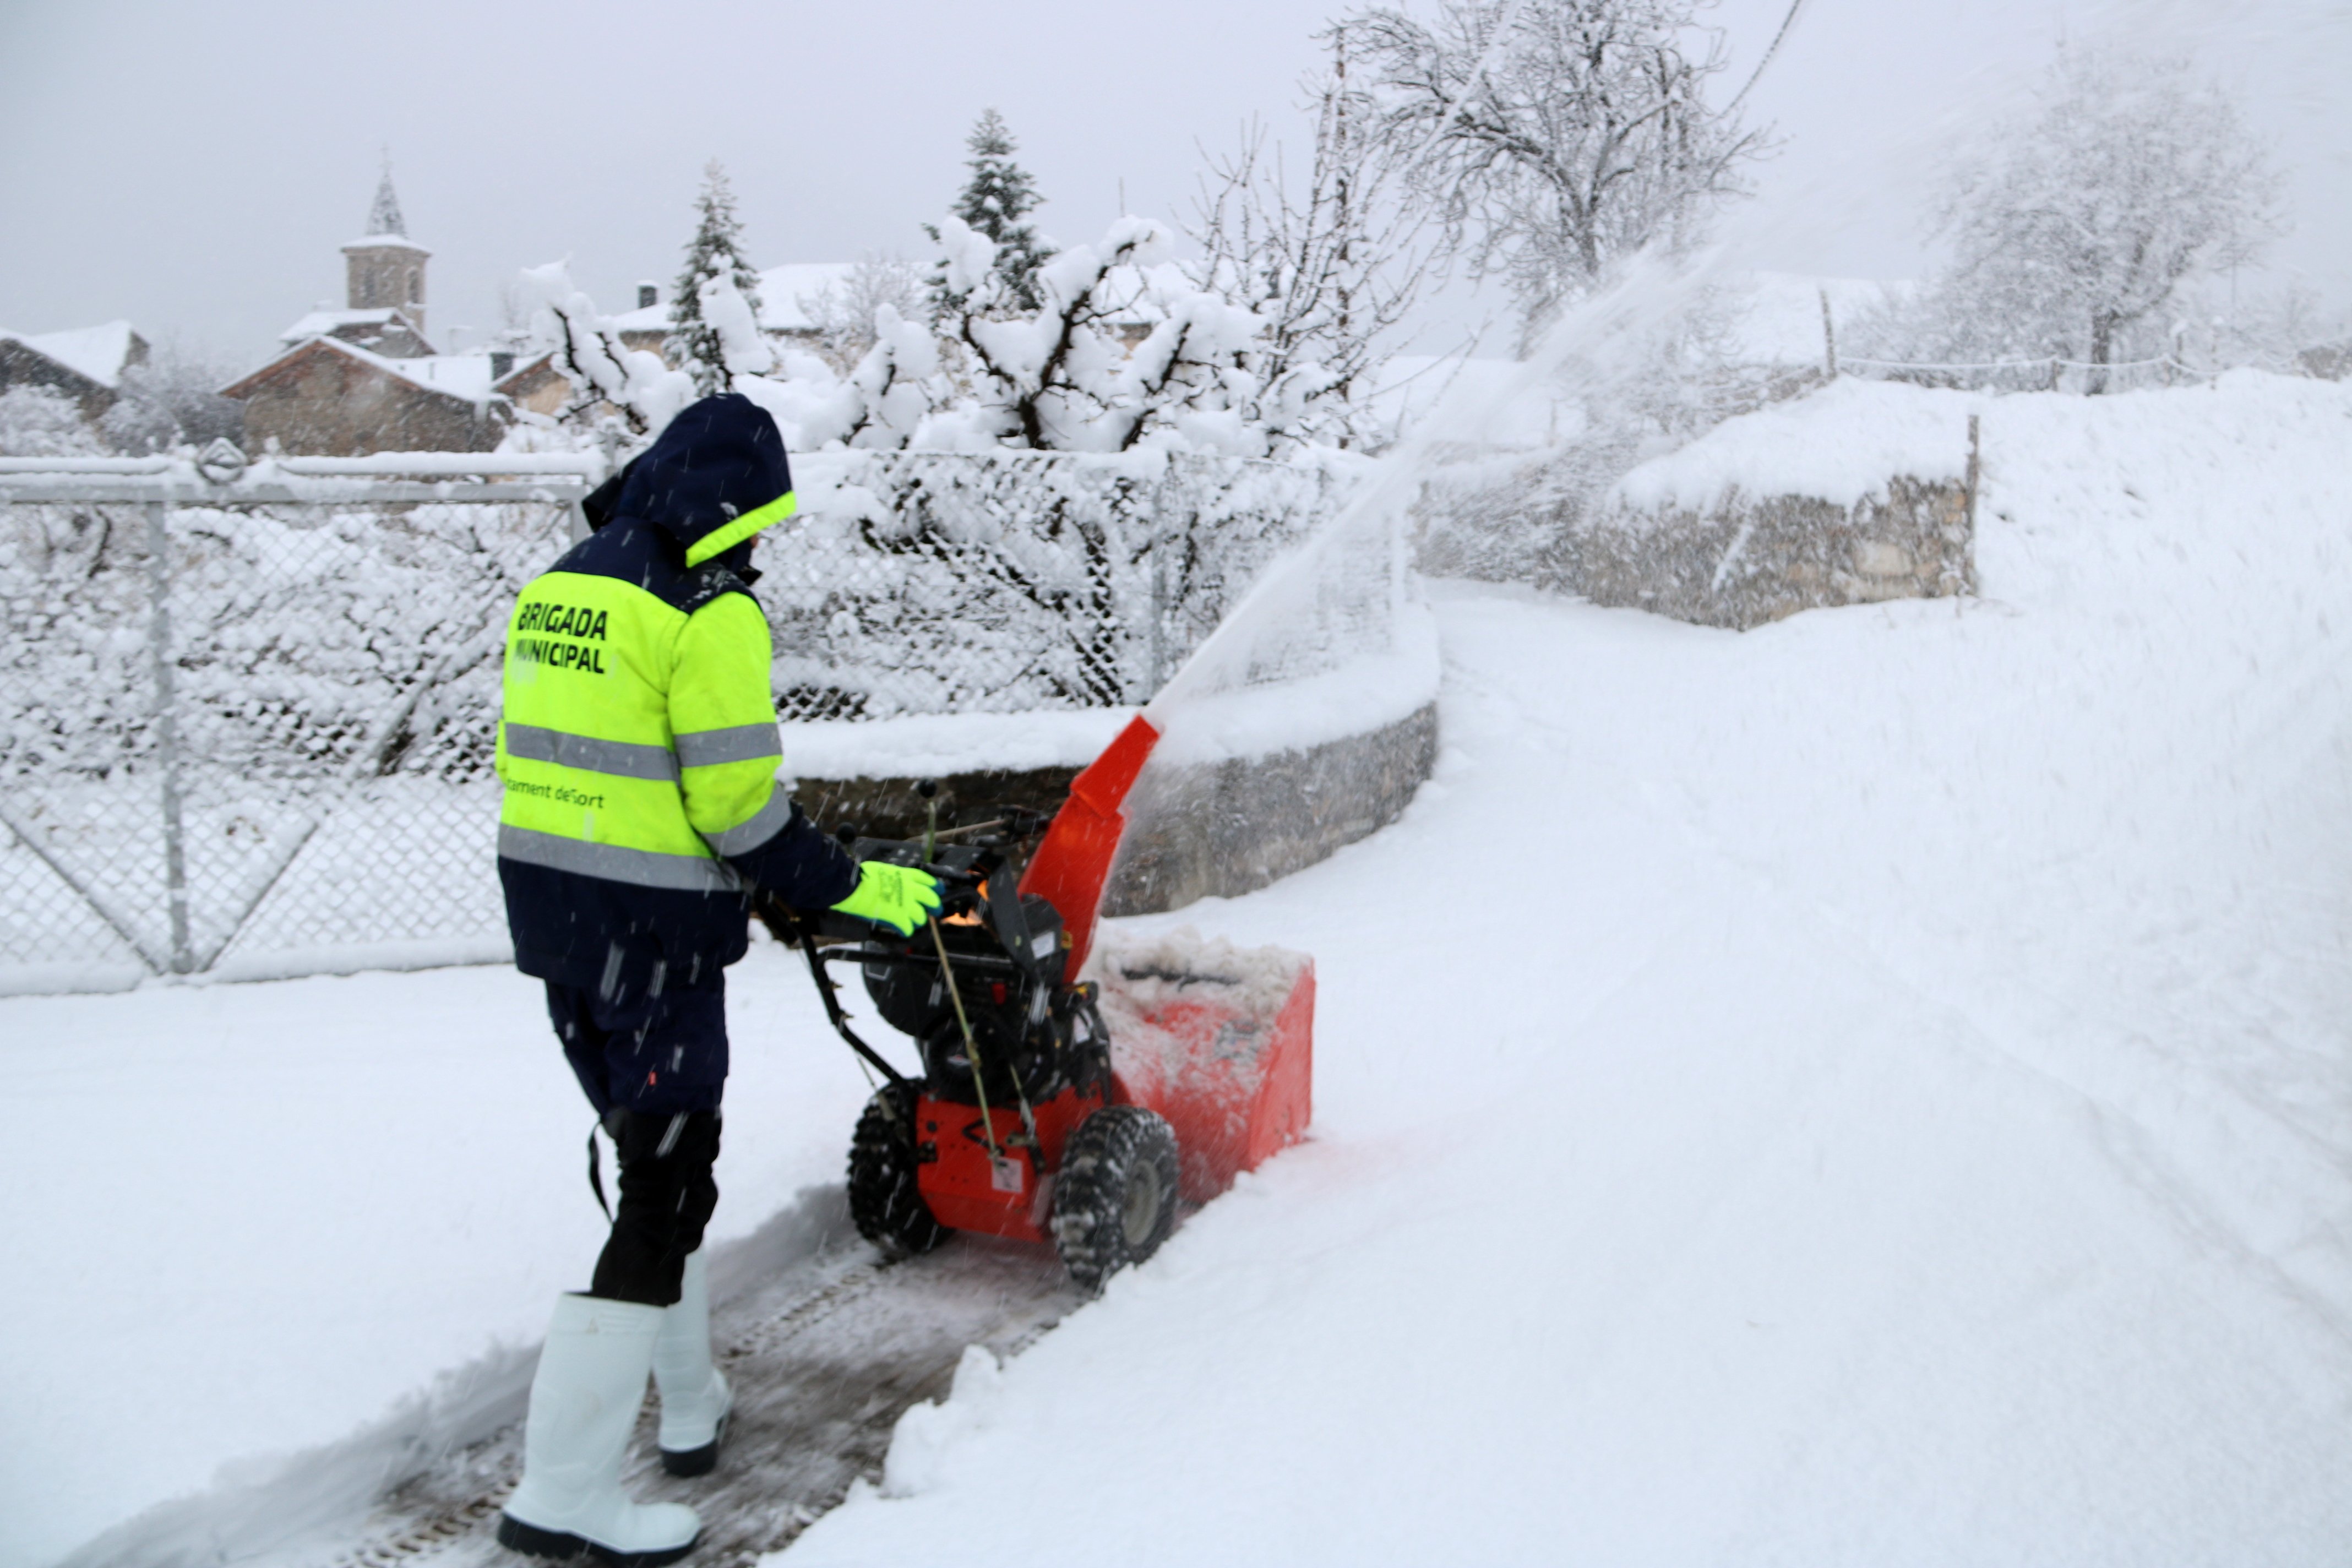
[
  {"x": 386, "y": 270},
  {"x": 384, "y": 216}
]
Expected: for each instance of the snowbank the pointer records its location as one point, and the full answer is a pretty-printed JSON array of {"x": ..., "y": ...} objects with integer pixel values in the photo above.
[
  {"x": 933, "y": 745},
  {"x": 1870, "y": 1090},
  {"x": 1367, "y": 694},
  {"x": 272, "y": 1217},
  {"x": 1840, "y": 444}
]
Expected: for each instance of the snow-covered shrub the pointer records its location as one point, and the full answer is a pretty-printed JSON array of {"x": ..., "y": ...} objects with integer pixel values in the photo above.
[
  {"x": 932, "y": 582},
  {"x": 35, "y": 422},
  {"x": 321, "y": 645},
  {"x": 171, "y": 401}
]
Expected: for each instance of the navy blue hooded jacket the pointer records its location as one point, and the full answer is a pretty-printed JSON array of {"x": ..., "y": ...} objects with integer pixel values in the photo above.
[{"x": 638, "y": 744}]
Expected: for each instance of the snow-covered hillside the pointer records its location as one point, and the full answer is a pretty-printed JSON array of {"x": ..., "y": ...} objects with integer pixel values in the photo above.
[{"x": 1872, "y": 1089}]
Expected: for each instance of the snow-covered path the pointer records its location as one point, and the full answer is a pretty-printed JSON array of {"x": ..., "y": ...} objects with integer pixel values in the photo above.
[
  {"x": 1874, "y": 1090},
  {"x": 1871, "y": 1090}
]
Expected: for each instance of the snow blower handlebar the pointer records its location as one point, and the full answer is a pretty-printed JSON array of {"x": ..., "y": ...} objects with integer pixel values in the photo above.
[{"x": 969, "y": 861}]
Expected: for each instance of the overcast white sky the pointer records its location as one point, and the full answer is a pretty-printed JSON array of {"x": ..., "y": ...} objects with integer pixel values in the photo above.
[{"x": 196, "y": 168}]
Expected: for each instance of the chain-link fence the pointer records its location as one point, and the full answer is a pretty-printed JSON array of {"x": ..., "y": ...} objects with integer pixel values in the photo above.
[
  {"x": 252, "y": 721},
  {"x": 247, "y": 726},
  {"x": 1004, "y": 582}
]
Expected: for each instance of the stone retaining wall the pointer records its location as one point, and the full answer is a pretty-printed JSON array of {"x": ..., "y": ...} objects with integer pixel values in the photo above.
[
  {"x": 1218, "y": 829},
  {"x": 1757, "y": 558},
  {"x": 1222, "y": 830}
]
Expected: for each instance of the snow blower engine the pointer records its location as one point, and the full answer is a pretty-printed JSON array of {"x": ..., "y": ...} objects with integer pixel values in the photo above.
[{"x": 1048, "y": 1107}]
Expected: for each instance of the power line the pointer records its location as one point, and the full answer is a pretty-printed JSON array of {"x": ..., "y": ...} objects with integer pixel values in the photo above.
[{"x": 1787, "y": 22}]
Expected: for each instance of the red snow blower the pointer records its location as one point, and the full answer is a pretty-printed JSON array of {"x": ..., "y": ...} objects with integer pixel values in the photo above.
[{"x": 1049, "y": 1107}]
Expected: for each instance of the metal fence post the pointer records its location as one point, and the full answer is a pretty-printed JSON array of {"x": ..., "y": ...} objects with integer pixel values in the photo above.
[
  {"x": 167, "y": 739},
  {"x": 1155, "y": 642}
]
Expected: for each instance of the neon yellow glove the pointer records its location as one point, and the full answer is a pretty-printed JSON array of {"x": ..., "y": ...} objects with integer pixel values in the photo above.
[{"x": 894, "y": 896}]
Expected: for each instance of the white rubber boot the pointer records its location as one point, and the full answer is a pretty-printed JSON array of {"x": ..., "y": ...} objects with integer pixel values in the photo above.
[
  {"x": 583, "y": 1406},
  {"x": 695, "y": 1399}
]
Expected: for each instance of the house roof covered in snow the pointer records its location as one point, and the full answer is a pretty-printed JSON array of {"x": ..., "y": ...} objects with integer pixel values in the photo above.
[
  {"x": 782, "y": 289},
  {"x": 324, "y": 323},
  {"x": 463, "y": 376},
  {"x": 99, "y": 353}
]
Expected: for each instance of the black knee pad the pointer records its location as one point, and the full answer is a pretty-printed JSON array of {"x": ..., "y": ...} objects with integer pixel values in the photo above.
[{"x": 667, "y": 1195}]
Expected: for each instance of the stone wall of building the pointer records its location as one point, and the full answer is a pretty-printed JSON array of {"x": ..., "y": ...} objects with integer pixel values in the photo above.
[
  {"x": 332, "y": 405},
  {"x": 1753, "y": 559}
]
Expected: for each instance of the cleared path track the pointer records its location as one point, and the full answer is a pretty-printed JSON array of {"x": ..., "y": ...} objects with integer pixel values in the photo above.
[{"x": 822, "y": 1363}]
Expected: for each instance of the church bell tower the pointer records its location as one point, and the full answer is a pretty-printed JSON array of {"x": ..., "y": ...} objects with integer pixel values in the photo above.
[{"x": 386, "y": 270}]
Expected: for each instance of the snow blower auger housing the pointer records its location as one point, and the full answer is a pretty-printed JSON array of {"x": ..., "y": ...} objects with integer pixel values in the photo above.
[{"x": 1048, "y": 1107}]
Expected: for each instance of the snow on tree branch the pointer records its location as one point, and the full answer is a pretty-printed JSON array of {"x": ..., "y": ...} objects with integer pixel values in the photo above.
[
  {"x": 589, "y": 355},
  {"x": 1550, "y": 139},
  {"x": 2078, "y": 222}
]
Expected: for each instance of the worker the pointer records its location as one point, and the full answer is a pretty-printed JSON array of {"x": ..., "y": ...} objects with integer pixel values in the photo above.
[{"x": 638, "y": 750}]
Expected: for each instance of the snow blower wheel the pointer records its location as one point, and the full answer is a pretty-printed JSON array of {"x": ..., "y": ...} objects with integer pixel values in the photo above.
[
  {"x": 1115, "y": 1200},
  {"x": 884, "y": 1201}
]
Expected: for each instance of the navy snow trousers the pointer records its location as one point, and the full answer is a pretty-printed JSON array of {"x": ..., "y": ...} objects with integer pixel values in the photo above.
[{"x": 654, "y": 1068}]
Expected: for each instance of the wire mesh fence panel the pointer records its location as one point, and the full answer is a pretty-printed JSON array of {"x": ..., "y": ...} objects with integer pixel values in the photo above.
[
  {"x": 81, "y": 869},
  {"x": 309, "y": 767},
  {"x": 934, "y": 583},
  {"x": 304, "y": 778},
  {"x": 342, "y": 674}
]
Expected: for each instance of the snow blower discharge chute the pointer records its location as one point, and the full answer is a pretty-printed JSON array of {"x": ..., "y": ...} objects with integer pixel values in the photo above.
[{"x": 1048, "y": 1107}]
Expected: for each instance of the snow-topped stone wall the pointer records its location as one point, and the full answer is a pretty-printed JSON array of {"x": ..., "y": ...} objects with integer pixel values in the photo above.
[{"x": 1860, "y": 493}]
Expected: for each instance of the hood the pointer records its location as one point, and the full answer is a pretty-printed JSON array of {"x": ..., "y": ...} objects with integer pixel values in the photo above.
[{"x": 713, "y": 479}]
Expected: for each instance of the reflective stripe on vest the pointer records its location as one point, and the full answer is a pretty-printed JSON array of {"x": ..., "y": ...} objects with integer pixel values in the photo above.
[
  {"x": 737, "y": 743},
  {"x": 615, "y": 863},
  {"x": 747, "y": 836},
  {"x": 623, "y": 759},
  {"x": 653, "y": 750}
]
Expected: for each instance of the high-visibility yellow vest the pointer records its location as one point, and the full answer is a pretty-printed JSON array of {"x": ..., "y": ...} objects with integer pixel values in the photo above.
[{"x": 639, "y": 740}]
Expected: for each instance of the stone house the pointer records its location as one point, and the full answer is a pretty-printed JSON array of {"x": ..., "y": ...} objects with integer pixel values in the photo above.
[
  {"x": 329, "y": 398},
  {"x": 365, "y": 378},
  {"x": 85, "y": 365}
]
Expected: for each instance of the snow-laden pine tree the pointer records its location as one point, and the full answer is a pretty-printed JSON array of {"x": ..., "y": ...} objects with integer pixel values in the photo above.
[
  {"x": 993, "y": 201},
  {"x": 2075, "y": 223},
  {"x": 1553, "y": 138},
  {"x": 696, "y": 344}
]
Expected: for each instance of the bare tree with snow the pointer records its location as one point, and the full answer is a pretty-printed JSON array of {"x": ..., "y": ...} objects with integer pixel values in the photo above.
[
  {"x": 843, "y": 310},
  {"x": 1064, "y": 377},
  {"x": 2080, "y": 220},
  {"x": 1332, "y": 268},
  {"x": 1551, "y": 137}
]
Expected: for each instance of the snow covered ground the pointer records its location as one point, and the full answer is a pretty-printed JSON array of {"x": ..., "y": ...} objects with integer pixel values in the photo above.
[{"x": 1874, "y": 1090}]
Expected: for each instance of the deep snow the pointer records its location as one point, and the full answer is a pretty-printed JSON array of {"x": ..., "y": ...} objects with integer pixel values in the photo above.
[{"x": 1872, "y": 1089}]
